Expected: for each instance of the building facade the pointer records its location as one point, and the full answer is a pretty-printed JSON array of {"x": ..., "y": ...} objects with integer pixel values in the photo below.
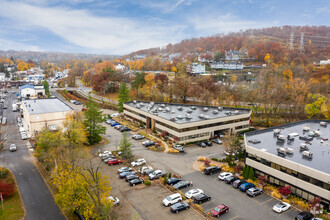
[
  {"x": 227, "y": 65},
  {"x": 295, "y": 155},
  {"x": 31, "y": 91},
  {"x": 195, "y": 68},
  {"x": 188, "y": 123},
  {"x": 44, "y": 113}
]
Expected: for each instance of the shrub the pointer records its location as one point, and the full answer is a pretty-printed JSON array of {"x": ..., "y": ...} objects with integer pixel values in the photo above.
[
  {"x": 207, "y": 162},
  {"x": 202, "y": 167},
  {"x": 213, "y": 164},
  {"x": 3, "y": 173},
  {"x": 285, "y": 191},
  {"x": 169, "y": 175},
  {"x": 164, "y": 134},
  {"x": 147, "y": 182},
  {"x": 7, "y": 189},
  {"x": 286, "y": 200},
  {"x": 215, "y": 159},
  {"x": 172, "y": 150},
  {"x": 182, "y": 195},
  {"x": 201, "y": 158},
  {"x": 198, "y": 207},
  {"x": 276, "y": 194}
]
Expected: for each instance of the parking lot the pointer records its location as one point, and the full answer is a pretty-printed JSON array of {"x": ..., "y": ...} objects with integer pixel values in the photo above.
[{"x": 240, "y": 205}]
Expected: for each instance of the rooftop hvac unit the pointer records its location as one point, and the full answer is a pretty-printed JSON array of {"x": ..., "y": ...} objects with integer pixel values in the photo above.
[
  {"x": 317, "y": 133},
  {"x": 305, "y": 138},
  {"x": 228, "y": 113},
  {"x": 138, "y": 106},
  {"x": 173, "y": 118},
  {"x": 134, "y": 101},
  {"x": 280, "y": 138},
  {"x": 188, "y": 116},
  {"x": 281, "y": 150},
  {"x": 236, "y": 112},
  {"x": 189, "y": 111},
  {"x": 162, "y": 105},
  {"x": 160, "y": 109},
  {"x": 179, "y": 117},
  {"x": 142, "y": 104},
  {"x": 306, "y": 128},
  {"x": 180, "y": 108},
  {"x": 156, "y": 113},
  {"x": 193, "y": 107},
  {"x": 173, "y": 112},
  {"x": 220, "y": 108},
  {"x": 201, "y": 116},
  {"x": 304, "y": 147},
  {"x": 215, "y": 112},
  {"x": 292, "y": 135},
  {"x": 206, "y": 117},
  {"x": 289, "y": 150},
  {"x": 324, "y": 123},
  {"x": 277, "y": 131},
  {"x": 167, "y": 109},
  {"x": 307, "y": 154},
  {"x": 311, "y": 134},
  {"x": 205, "y": 109}
]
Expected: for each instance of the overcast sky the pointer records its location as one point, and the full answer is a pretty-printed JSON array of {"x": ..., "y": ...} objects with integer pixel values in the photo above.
[{"x": 124, "y": 26}]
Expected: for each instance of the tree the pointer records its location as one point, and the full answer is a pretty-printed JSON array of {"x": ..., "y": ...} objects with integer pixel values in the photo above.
[
  {"x": 123, "y": 96},
  {"x": 7, "y": 189},
  {"x": 285, "y": 190},
  {"x": 125, "y": 148},
  {"x": 139, "y": 80},
  {"x": 245, "y": 173},
  {"x": 46, "y": 86},
  {"x": 318, "y": 107},
  {"x": 251, "y": 174},
  {"x": 92, "y": 122},
  {"x": 74, "y": 130}
]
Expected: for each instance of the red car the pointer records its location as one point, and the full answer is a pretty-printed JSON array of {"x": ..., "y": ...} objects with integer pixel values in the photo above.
[
  {"x": 114, "y": 162},
  {"x": 219, "y": 210}
]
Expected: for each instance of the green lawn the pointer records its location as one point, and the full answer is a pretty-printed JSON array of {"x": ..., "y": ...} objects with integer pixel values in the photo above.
[{"x": 13, "y": 208}]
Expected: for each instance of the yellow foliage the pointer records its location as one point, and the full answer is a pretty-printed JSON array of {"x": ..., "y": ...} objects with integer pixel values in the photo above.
[
  {"x": 202, "y": 167},
  {"x": 287, "y": 74},
  {"x": 287, "y": 201},
  {"x": 172, "y": 150},
  {"x": 255, "y": 182},
  {"x": 201, "y": 158},
  {"x": 174, "y": 69},
  {"x": 276, "y": 194},
  {"x": 198, "y": 207},
  {"x": 267, "y": 57},
  {"x": 212, "y": 164}
]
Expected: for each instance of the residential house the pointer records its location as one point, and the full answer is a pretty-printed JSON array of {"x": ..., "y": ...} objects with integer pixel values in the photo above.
[{"x": 195, "y": 68}]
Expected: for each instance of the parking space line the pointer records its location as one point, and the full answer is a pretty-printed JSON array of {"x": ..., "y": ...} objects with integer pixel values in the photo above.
[
  {"x": 266, "y": 201},
  {"x": 204, "y": 203},
  {"x": 234, "y": 217},
  {"x": 208, "y": 210},
  {"x": 285, "y": 211}
]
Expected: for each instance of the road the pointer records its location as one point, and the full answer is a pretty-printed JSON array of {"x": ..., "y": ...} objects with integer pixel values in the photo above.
[{"x": 37, "y": 199}]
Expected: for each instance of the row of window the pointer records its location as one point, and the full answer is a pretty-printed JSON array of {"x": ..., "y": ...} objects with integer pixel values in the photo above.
[
  {"x": 206, "y": 134},
  {"x": 294, "y": 190},
  {"x": 290, "y": 172}
]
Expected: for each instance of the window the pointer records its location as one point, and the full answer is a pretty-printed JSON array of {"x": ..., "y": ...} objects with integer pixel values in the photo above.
[
  {"x": 304, "y": 195},
  {"x": 271, "y": 179},
  {"x": 298, "y": 192},
  {"x": 276, "y": 182}
]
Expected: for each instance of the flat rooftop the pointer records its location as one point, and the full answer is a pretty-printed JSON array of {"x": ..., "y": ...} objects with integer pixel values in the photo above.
[
  {"x": 42, "y": 106},
  {"x": 319, "y": 145},
  {"x": 181, "y": 114}
]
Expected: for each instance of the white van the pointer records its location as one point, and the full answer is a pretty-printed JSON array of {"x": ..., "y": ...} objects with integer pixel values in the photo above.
[
  {"x": 21, "y": 129},
  {"x": 172, "y": 199}
]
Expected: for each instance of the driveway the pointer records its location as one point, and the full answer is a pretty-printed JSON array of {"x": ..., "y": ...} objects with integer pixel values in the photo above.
[{"x": 38, "y": 201}]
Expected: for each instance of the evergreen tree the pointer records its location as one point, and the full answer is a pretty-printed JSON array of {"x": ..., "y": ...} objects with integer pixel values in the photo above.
[
  {"x": 123, "y": 96},
  {"x": 245, "y": 172},
  {"x": 251, "y": 174},
  {"x": 139, "y": 80},
  {"x": 92, "y": 122},
  {"x": 46, "y": 86},
  {"x": 125, "y": 148}
]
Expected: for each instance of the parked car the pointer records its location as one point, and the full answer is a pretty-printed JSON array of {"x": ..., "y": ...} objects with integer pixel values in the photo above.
[
  {"x": 304, "y": 216},
  {"x": 179, "y": 148},
  {"x": 118, "y": 127},
  {"x": 114, "y": 115},
  {"x": 201, "y": 144},
  {"x": 148, "y": 143},
  {"x": 182, "y": 184},
  {"x": 108, "y": 121},
  {"x": 4, "y": 107},
  {"x": 104, "y": 153},
  {"x": 137, "y": 136},
  {"x": 124, "y": 169},
  {"x": 111, "y": 157},
  {"x": 254, "y": 191},
  {"x": 172, "y": 199},
  {"x": 217, "y": 141},
  {"x": 208, "y": 143},
  {"x": 77, "y": 103},
  {"x": 281, "y": 207},
  {"x": 156, "y": 174},
  {"x": 178, "y": 207},
  {"x": 126, "y": 173},
  {"x": 138, "y": 162},
  {"x": 114, "y": 162},
  {"x": 114, "y": 124},
  {"x": 224, "y": 175},
  {"x": 12, "y": 147},
  {"x": 4, "y": 121},
  {"x": 219, "y": 210},
  {"x": 246, "y": 186},
  {"x": 146, "y": 170},
  {"x": 230, "y": 179},
  {"x": 134, "y": 182},
  {"x": 72, "y": 101},
  {"x": 124, "y": 129},
  {"x": 212, "y": 169},
  {"x": 193, "y": 192},
  {"x": 173, "y": 180},
  {"x": 237, "y": 183},
  {"x": 131, "y": 177},
  {"x": 201, "y": 198},
  {"x": 115, "y": 200}
]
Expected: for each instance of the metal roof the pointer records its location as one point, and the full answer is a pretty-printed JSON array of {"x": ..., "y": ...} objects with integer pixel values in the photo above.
[
  {"x": 319, "y": 145},
  {"x": 181, "y": 113},
  {"x": 43, "y": 106}
]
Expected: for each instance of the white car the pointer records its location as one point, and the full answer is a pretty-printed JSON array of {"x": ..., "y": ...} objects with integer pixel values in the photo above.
[
  {"x": 12, "y": 147},
  {"x": 172, "y": 199},
  {"x": 115, "y": 200},
  {"x": 105, "y": 153},
  {"x": 72, "y": 101},
  {"x": 137, "y": 136},
  {"x": 156, "y": 174},
  {"x": 281, "y": 207},
  {"x": 114, "y": 115},
  {"x": 138, "y": 162},
  {"x": 193, "y": 192},
  {"x": 224, "y": 175}
]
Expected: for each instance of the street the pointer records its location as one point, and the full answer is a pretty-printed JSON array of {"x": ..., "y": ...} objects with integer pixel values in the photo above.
[{"x": 37, "y": 199}]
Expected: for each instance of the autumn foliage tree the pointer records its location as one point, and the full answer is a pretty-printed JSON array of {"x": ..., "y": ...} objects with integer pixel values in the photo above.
[{"x": 7, "y": 189}]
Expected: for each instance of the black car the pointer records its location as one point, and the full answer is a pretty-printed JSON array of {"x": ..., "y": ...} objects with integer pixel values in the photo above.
[
  {"x": 123, "y": 129},
  {"x": 77, "y": 103},
  {"x": 304, "y": 216},
  {"x": 131, "y": 177},
  {"x": 208, "y": 143},
  {"x": 201, "y": 144},
  {"x": 230, "y": 179},
  {"x": 124, "y": 169},
  {"x": 173, "y": 181},
  {"x": 124, "y": 174},
  {"x": 182, "y": 184},
  {"x": 134, "y": 182},
  {"x": 180, "y": 206},
  {"x": 201, "y": 198},
  {"x": 237, "y": 183},
  {"x": 212, "y": 169}
]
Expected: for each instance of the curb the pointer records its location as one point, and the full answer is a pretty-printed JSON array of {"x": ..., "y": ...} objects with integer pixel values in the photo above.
[{"x": 19, "y": 192}]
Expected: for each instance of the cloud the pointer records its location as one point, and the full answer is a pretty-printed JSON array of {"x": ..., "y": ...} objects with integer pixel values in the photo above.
[
  {"x": 13, "y": 45},
  {"x": 212, "y": 24},
  {"x": 174, "y": 6},
  {"x": 112, "y": 35}
]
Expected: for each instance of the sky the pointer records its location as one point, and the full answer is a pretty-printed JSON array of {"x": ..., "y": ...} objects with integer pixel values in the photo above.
[{"x": 119, "y": 27}]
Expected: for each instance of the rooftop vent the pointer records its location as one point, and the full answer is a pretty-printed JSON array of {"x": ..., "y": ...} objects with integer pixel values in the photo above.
[
  {"x": 215, "y": 112},
  {"x": 280, "y": 138},
  {"x": 167, "y": 109},
  {"x": 189, "y": 111},
  {"x": 292, "y": 135},
  {"x": 205, "y": 109},
  {"x": 201, "y": 116},
  {"x": 162, "y": 105},
  {"x": 160, "y": 109},
  {"x": 180, "y": 108},
  {"x": 228, "y": 113},
  {"x": 306, "y": 128},
  {"x": 188, "y": 116},
  {"x": 193, "y": 107},
  {"x": 134, "y": 101},
  {"x": 220, "y": 108},
  {"x": 236, "y": 112},
  {"x": 324, "y": 123},
  {"x": 179, "y": 117},
  {"x": 277, "y": 131},
  {"x": 304, "y": 147},
  {"x": 173, "y": 118},
  {"x": 254, "y": 141},
  {"x": 307, "y": 154}
]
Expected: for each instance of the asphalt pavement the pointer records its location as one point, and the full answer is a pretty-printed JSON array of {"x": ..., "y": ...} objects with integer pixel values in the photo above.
[{"x": 38, "y": 202}]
